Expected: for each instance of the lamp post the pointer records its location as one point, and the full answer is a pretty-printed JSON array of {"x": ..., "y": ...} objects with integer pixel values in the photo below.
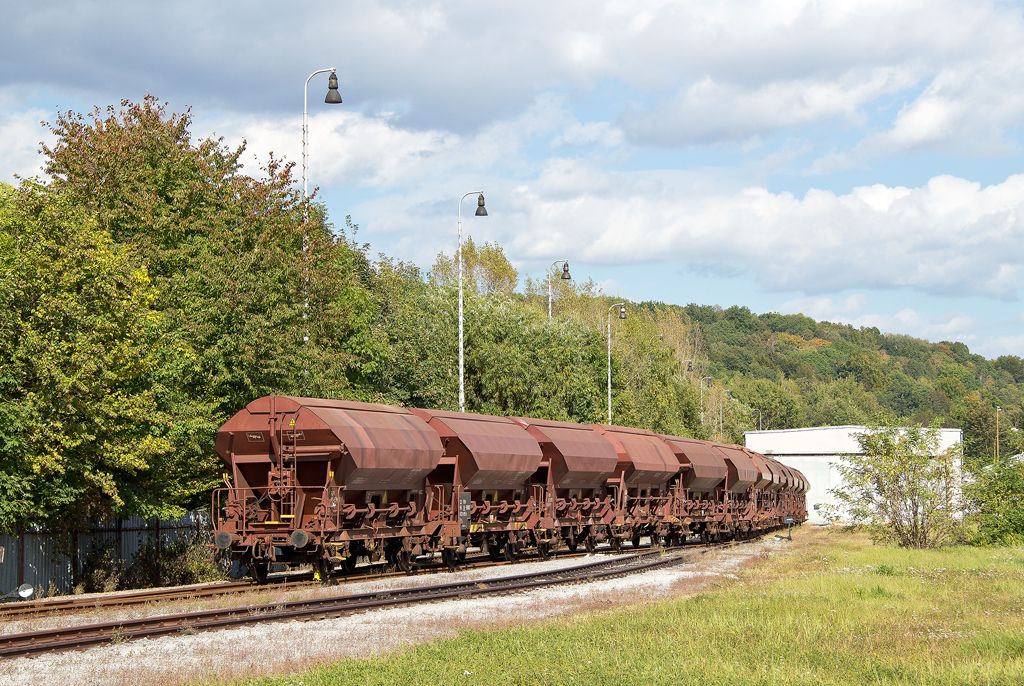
[
  {"x": 481, "y": 211},
  {"x": 333, "y": 97},
  {"x": 565, "y": 277},
  {"x": 998, "y": 410},
  {"x": 710, "y": 381},
  {"x": 622, "y": 315}
]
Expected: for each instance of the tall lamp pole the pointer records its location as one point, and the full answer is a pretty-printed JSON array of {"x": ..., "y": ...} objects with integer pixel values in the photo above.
[
  {"x": 702, "y": 380},
  {"x": 481, "y": 211},
  {"x": 998, "y": 410},
  {"x": 565, "y": 277},
  {"x": 622, "y": 315},
  {"x": 333, "y": 97}
]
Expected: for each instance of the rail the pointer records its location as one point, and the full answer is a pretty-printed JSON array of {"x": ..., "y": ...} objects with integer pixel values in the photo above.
[{"x": 68, "y": 638}]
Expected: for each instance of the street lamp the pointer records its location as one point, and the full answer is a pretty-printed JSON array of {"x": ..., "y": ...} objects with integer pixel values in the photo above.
[
  {"x": 998, "y": 410},
  {"x": 622, "y": 315},
  {"x": 481, "y": 211},
  {"x": 710, "y": 382},
  {"x": 333, "y": 98},
  {"x": 565, "y": 277}
]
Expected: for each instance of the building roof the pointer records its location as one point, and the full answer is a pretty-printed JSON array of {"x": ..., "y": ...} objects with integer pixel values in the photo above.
[{"x": 824, "y": 440}]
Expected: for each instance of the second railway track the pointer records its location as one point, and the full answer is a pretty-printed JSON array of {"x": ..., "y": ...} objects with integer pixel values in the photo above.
[
  {"x": 69, "y": 638},
  {"x": 71, "y": 604}
]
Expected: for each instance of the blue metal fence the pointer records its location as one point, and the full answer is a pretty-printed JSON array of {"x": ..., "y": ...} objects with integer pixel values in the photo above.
[{"x": 40, "y": 558}]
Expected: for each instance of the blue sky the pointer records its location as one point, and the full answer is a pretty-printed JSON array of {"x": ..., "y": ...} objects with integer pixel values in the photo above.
[{"x": 858, "y": 162}]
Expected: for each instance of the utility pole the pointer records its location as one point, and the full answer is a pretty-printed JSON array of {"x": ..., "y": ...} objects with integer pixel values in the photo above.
[
  {"x": 998, "y": 410},
  {"x": 702, "y": 380}
]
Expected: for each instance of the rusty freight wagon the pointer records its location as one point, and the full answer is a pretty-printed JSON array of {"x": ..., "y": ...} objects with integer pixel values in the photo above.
[{"x": 330, "y": 482}]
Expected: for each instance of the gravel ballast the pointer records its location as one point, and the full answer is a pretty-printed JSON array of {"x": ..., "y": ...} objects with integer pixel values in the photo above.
[{"x": 281, "y": 647}]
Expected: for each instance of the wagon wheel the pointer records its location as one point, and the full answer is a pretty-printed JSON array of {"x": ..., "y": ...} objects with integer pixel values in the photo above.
[
  {"x": 450, "y": 559},
  {"x": 323, "y": 569},
  {"x": 636, "y": 540},
  {"x": 349, "y": 565},
  {"x": 494, "y": 550},
  {"x": 260, "y": 571},
  {"x": 570, "y": 542},
  {"x": 544, "y": 550},
  {"x": 616, "y": 543},
  {"x": 511, "y": 554},
  {"x": 590, "y": 543},
  {"x": 405, "y": 561}
]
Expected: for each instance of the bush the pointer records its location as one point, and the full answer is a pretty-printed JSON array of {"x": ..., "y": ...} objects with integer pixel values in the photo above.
[
  {"x": 996, "y": 495},
  {"x": 187, "y": 560},
  {"x": 102, "y": 571}
]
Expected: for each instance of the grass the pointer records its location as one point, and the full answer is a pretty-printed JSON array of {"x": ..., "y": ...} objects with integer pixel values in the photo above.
[{"x": 835, "y": 610}]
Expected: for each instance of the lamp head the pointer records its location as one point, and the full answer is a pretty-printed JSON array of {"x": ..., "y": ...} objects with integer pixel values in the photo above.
[
  {"x": 565, "y": 271},
  {"x": 333, "y": 94},
  {"x": 23, "y": 592},
  {"x": 622, "y": 311},
  {"x": 481, "y": 210}
]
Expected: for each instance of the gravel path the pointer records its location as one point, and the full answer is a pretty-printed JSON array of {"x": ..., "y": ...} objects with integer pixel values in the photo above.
[{"x": 289, "y": 646}]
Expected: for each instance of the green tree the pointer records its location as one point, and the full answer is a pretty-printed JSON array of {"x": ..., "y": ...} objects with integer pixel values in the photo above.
[
  {"x": 841, "y": 402},
  {"x": 80, "y": 432},
  {"x": 977, "y": 418},
  {"x": 251, "y": 291},
  {"x": 485, "y": 269},
  {"x": 776, "y": 405},
  {"x": 996, "y": 495},
  {"x": 902, "y": 487}
]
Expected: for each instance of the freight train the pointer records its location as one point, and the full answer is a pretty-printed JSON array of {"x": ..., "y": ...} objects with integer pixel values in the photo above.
[{"x": 328, "y": 482}]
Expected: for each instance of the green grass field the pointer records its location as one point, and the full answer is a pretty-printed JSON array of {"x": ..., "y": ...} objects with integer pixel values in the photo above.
[{"x": 835, "y": 609}]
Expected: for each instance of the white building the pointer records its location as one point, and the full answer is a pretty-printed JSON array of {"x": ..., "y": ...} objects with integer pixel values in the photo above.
[{"x": 815, "y": 452}]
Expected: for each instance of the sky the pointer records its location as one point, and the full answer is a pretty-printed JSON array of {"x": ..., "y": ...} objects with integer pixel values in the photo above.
[{"x": 855, "y": 162}]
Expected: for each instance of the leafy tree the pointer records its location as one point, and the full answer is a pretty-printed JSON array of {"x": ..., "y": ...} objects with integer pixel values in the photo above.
[
  {"x": 866, "y": 368},
  {"x": 841, "y": 402},
  {"x": 80, "y": 431},
  {"x": 977, "y": 418},
  {"x": 1013, "y": 365},
  {"x": 484, "y": 269},
  {"x": 775, "y": 405},
  {"x": 902, "y": 488},
  {"x": 250, "y": 291},
  {"x": 996, "y": 494}
]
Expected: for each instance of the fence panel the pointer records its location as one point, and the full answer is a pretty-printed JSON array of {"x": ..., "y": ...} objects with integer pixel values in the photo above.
[{"x": 40, "y": 558}]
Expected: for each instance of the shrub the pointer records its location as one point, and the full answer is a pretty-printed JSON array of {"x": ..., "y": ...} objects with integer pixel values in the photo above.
[
  {"x": 102, "y": 570},
  {"x": 996, "y": 495}
]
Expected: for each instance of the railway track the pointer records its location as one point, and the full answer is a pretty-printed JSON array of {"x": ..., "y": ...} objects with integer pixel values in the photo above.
[
  {"x": 70, "y": 604},
  {"x": 69, "y": 638}
]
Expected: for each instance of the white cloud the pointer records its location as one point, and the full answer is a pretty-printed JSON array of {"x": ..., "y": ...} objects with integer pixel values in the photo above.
[
  {"x": 709, "y": 111},
  {"x": 375, "y": 151},
  {"x": 854, "y": 310},
  {"x": 725, "y": 70},
  {"x": 591, "y": 133},
  {"x": 20, "y": 135},
  {"x": 1005, "y": 345},
  {"x": 949, "y": 236}
]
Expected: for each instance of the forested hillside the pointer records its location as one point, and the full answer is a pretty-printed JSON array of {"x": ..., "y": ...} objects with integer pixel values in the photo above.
[
  {"x": 799, "y": 372},
  {"x": 149, "y": 289}
]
